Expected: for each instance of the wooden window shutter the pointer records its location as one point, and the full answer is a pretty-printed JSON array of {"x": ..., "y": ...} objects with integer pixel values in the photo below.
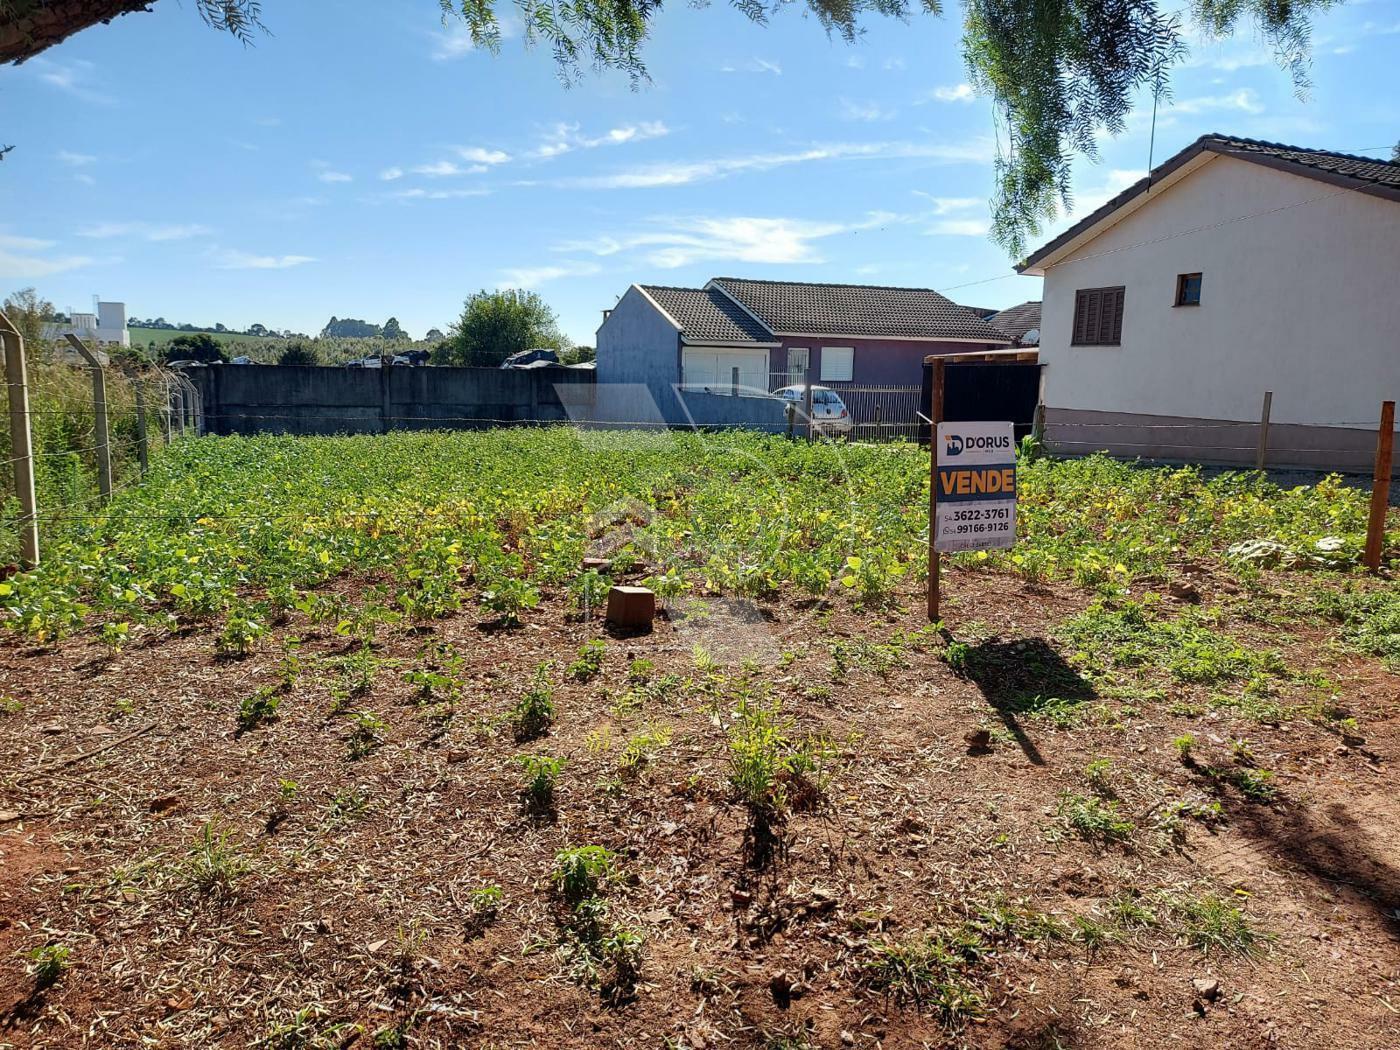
[{"x": 1098, "y": 317}]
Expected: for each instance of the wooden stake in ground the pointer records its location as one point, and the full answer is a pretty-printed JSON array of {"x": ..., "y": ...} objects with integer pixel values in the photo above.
[
  {"x": 99, "y": 412},
  {"x": 1263, "y": 452},
  {"x": 21, "y": 442},
  {"x": 935, "y": 416},
  {"x": 1380, "y": 487}
]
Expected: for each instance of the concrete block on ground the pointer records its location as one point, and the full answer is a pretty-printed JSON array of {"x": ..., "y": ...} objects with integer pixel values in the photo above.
[{"x": 631, "y": 607}]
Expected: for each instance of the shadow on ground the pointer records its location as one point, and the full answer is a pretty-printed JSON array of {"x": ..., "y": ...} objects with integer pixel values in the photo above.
[{"x": 1025, "y": 676}]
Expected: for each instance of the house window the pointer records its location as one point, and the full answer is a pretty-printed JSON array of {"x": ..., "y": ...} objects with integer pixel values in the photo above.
[
  {"x": 1188, "y": 289},
  {"x": 838, "y": 364},
  {"x": 1098, "y": 317}
]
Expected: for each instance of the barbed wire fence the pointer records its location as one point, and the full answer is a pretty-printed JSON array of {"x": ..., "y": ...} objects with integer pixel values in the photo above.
[{"x": 80, "y": 431}]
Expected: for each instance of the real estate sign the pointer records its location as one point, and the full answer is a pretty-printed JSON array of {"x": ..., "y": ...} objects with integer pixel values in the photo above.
[{"x": 976, "y": 496}]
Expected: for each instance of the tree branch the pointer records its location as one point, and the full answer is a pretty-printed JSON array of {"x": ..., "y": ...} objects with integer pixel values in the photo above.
[{"x": 28, "y": 27}]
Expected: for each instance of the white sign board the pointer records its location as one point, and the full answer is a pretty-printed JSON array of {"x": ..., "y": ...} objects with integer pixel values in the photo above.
[{"x": 976, "y": 481}]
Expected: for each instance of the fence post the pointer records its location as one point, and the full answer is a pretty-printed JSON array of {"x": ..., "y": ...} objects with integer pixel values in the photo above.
[
  {"x": 1038, "y": 423},
  {"x": 935, "y": 416},
  {"x": 21, "y": 442},
  {"x": 1264, "y": 430},
  {"x": 143, "y": 453},
  {"x": 807, "y": 402},
  {"x": 99, "y": 412},
  {"x": 1380, "y": 487}
]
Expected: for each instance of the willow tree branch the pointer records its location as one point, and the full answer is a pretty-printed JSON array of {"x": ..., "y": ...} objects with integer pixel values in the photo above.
[{"x": 28, "y": 27}]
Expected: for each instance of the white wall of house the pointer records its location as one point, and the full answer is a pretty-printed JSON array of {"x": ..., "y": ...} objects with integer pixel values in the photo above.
[{"x": 1301, "y": 298}]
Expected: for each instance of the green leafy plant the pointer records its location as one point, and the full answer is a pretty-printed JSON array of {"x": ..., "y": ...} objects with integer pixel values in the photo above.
[
  {"x": 258, "y": 708},
  {"x": 581, "y": 872},
  {"x": 366, "y": 733},
  {"x": 541, "y": 772},
  {"x": 48, "y": 963},
  {"x": 534, "y": 712},
  {"x": 590, "y": 661}
]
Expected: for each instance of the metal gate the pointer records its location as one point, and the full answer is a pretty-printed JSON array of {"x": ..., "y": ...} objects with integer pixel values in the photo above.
[{"x": 985, "y": 392}]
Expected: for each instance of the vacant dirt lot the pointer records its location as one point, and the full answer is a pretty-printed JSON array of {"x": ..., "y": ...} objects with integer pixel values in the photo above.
[{"x": 1022, "y": 837}]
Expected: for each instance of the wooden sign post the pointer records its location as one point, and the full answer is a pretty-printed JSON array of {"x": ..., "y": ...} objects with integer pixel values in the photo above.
[
  {"x": 1380, "y": 487},
  {"x": 935, "y": 416}
]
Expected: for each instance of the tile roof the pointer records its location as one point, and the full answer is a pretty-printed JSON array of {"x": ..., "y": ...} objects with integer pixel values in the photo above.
[
  {"x": 1367, "y": 171},
  {"x": 705, "y": 314},
  {"x": 1017, "y": 320},
  {"x": 865, "y": 310},
  {"x": 1367, "y": 175}
]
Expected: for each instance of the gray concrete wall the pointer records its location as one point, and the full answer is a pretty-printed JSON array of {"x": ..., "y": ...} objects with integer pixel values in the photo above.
[
  {"x": 1185, "y": 439},
  {"x": 253, "y": 399}
]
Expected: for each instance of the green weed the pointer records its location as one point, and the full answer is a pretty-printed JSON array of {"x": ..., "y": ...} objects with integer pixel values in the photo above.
[
  {"x": 1094, "y": 819},
  {"x": 590, "y": 661}
]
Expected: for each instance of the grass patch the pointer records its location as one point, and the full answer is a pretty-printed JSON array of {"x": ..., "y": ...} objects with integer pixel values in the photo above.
[{"x": 1094, "y": 819}]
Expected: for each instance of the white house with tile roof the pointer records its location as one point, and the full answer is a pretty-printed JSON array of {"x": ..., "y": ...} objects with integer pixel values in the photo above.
[{"x": 1236, "y": 267}]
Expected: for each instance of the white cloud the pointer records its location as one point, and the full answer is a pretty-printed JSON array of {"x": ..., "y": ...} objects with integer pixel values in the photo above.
[
  {"x": 961, "y": 227},
  {"x": 564, "y": 138},
  {"x": 24, "y": 244},
  {"x": 746, "y": 239},
  {"x": 229, "y": 259},
  {"x": 85, "y": 179},
  {"x": 944, "y": 205},
  {"x": 1244, "y": 101},
  {"x": 754, "y": 65},
  {"x": 680, "y": 173},
  {"x": 866, "y": 111},
  {"x": 892, "y": 63},
  {"x": 77, "y": 160},
  {"x": 453, "y": 42},
  {"x": 74, "y": 78},
  {"x": 390, "y": 174},
  {"x": 335, "y": 176},
  {"x": 27, "y": 266},
  {"x": 855, "y": 61},
  {"x": 477, "y": 155},
  {"x": 956, "y": 93},
  {"x": 145, "y": 231},
  {"x": 418, "y": 193},
  {"x": 445, "y": 169},
  {"x": 534, "y": 276}
]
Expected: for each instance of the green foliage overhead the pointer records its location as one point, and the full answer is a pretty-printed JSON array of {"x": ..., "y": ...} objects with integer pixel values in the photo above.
[
  {"x": 197, "y": 346},
  {"x": 495, "y": 325}
]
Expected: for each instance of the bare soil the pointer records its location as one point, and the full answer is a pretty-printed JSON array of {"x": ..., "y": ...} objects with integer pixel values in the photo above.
[{"x": 355, "y": 905}]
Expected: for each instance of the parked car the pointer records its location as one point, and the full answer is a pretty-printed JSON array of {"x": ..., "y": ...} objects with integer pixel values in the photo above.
[
  {"x": 829, "y": 412},
  {"x": 241, "y": 359}
]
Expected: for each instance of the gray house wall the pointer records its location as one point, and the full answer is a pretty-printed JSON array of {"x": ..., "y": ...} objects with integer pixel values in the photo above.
[{"x": 639, "y": 374}]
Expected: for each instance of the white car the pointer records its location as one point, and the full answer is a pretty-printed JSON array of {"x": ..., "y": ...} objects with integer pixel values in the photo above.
[{"x": 829, "y": 412}]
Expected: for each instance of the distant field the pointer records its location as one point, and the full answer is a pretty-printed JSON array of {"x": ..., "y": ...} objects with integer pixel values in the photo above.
[{"x": 161, "y": 336}]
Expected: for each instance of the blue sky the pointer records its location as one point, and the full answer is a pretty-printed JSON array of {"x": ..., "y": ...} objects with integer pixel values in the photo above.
[{"x": 372, "y": 163}]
